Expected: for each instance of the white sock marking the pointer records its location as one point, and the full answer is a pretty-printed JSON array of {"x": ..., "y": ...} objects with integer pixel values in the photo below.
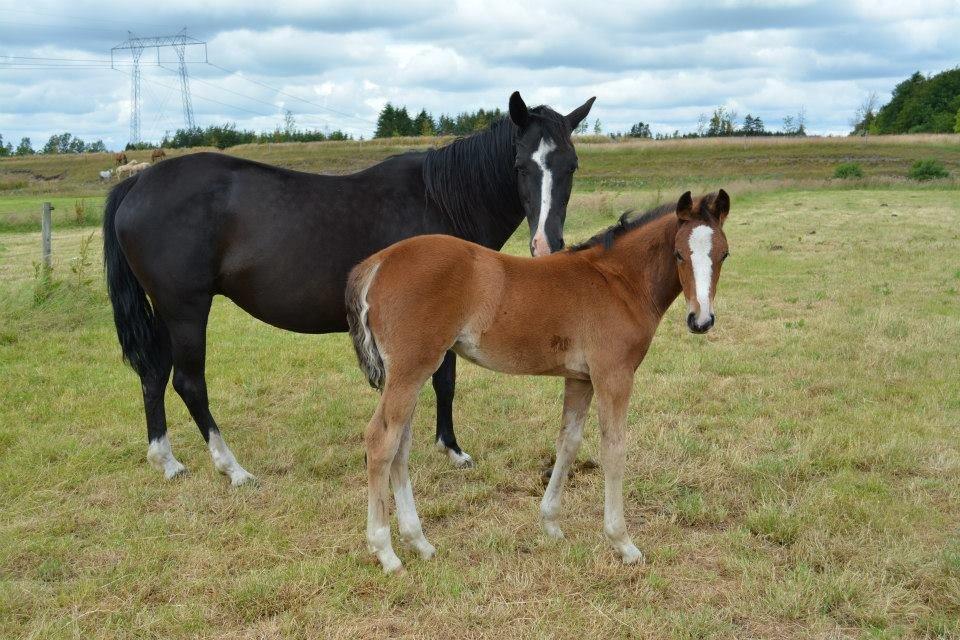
[
  {"x": 225, "y": 462},
  {"x": 701, "y": 242},
  {"x": 160, "y": 456},
  {"x": 546, "y": 188}
]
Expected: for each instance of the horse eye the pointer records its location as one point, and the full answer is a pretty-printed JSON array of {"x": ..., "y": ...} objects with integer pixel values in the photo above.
[
  {"x": 676, "y": 254},
  {"x": 725, "y": 256}
]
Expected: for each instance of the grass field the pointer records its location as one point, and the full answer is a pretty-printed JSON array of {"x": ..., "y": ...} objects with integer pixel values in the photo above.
[{"x": 793, "y": 474}]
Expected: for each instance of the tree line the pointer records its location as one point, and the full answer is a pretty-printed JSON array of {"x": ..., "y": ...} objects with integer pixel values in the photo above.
[
  {"x": 222, "y": 136},
  {"x": 396, "y": 121},
  {"x": 919, "y": 104},
  {"x": 58, "y": 143}
]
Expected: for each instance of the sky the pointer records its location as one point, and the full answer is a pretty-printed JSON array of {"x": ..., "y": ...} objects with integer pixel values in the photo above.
[{"x": 334, "y": 64}]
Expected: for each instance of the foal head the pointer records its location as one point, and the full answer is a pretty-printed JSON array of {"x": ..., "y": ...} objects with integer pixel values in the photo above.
[
  {"x": 700, "y": 249},
  {"x": 545, "y": 163}
]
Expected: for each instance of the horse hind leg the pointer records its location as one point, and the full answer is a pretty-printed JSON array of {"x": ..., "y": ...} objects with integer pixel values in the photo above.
[
  {"x": 188, "y": 340},
  {"x": 444, "y": 386},
  {"x": 154, "y": 386}
]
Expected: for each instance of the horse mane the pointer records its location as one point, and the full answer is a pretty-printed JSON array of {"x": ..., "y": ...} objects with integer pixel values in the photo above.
[
  {"x": 474, "y": 176},
  {"x": 629, "y": 222},
  {"x": 626, "y": 222}
]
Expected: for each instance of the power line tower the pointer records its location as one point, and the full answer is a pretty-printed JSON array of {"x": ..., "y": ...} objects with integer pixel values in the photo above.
[{"x": 136, "y": 45}]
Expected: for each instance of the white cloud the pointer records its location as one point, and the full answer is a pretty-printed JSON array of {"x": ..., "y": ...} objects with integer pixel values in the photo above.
[{"x": 662, "y": 62}]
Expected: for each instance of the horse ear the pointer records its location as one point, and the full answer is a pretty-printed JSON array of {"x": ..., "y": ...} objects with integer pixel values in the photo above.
[
  {"x": 685, "y": 207},
  {"x": 575, "y": 117},
  {"x": 519, "y": 113},
  {"x": 721, "y": 206}
]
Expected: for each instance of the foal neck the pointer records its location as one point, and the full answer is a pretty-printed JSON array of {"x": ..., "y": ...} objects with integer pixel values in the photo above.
[{"x": 643, "y": 260}]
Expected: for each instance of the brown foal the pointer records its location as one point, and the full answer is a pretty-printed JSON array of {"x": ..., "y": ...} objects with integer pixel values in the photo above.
[{"x": 587, "y": 314}]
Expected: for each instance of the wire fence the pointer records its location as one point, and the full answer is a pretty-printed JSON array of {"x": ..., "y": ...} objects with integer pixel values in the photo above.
[{"x": 26, "y": 254}]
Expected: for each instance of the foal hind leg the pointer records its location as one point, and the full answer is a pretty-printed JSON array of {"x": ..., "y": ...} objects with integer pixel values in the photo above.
[
  {"x": 576, "y": 404},
  {"x": 188, "y": 340},
  {"x": 154, "y": 385},
  {"x": 444, "y": 385},
  {"x": 411, "y": 530},
  {"x": 383, "y": 438}
]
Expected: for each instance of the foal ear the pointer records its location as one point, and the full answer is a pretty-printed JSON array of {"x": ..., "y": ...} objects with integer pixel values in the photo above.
[
  {"x": 685, "y": 207},
  {"x": 519, "y": 113},
  {"x": 721, "y": 206},
  {"x": 575, "y": 117}
]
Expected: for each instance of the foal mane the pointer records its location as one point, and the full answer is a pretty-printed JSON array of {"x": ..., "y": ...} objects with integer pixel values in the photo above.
[
  {"x": 626, "y": 222},
  {"x": 629, "y": 222},
  {"x": 474, "y": 176}
]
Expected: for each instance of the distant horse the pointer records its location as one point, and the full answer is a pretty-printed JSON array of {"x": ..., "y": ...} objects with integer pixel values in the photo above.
[
  {"x": 588, "y": 315},
  {"x": 131, "y": 168},
  {"x": 158, "y": 154},
  {"x": 280, "y": 244},
  {"x": 120, "y": 158}
]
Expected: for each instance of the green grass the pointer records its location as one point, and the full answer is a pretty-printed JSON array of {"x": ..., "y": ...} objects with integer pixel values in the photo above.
[{"x": 793, "y": 474}]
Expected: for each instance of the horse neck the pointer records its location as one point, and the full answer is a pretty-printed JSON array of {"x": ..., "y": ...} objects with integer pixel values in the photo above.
[
  {"x": 643, "y": 260},
  {"x": 481, "y": 203}
]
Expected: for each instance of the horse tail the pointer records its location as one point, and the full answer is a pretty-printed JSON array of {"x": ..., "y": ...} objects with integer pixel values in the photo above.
[
  {"x": 144, "y": 339},
  {"x": 358, "y": 309}
]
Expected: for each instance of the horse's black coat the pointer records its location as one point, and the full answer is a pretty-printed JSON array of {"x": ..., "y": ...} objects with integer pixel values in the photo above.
[{"x": 280, "y": 243}]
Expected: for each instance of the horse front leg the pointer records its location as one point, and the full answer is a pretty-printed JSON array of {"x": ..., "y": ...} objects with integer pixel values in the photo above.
[
  {"x": 444, "y": 385},
  {"x": 613, "y": 395}
]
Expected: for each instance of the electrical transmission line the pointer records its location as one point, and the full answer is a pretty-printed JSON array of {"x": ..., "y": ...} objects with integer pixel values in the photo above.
[{"x": 136, "y": 46}]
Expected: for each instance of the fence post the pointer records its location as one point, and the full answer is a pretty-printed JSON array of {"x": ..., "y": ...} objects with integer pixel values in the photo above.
[{"x": 46, "y": 229}]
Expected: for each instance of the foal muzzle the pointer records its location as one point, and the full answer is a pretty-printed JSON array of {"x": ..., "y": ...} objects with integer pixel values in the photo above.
[{"x": 699, "y": 328}]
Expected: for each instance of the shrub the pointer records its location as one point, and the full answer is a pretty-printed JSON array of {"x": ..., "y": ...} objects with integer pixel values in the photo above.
[
  {"x": 928, "y": 170},
  {"x": 848, "y": 170}
]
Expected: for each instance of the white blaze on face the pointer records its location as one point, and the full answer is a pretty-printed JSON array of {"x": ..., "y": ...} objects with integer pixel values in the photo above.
[
  {"x": 701, "y": 241},
  {"x": 540, "y": 244}
]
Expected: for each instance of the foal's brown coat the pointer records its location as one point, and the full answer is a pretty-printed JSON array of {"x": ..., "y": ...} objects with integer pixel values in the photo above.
[{"x": 588, "y": 315}]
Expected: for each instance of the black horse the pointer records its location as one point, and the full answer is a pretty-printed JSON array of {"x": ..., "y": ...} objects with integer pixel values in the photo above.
[{"x": 280, "y": 244}]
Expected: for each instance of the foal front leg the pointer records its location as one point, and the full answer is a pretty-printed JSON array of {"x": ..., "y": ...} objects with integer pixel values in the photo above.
[
  {"x": 613, "y": 394},
  {"x": 576, "y": 404}
]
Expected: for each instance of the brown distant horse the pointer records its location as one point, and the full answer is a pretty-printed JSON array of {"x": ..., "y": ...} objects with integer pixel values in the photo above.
[
  {"x": 158, "y": 154},
  {"x": 587, "y": 315},
  {"x": 120, "y": 158}
]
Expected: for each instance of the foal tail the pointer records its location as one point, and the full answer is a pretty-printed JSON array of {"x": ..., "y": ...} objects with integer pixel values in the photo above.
[
  {"x": 144, "y": 339},
  {"x": 358, "y": 285}
]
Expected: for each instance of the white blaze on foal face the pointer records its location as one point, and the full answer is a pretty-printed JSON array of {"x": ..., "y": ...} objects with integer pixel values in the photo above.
[{"x": 701, "y": 244}]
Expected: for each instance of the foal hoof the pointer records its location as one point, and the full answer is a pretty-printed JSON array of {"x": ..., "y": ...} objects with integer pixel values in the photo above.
[
  {"x": 553, "y": 530},
  {"x": 243, "y": 479},
  {"x": 632, "y": 555}
]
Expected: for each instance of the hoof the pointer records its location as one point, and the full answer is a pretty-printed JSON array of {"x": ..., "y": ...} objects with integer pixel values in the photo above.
[
  {"x": 391, "y": 565},
  {"x": 460, "y": 460},
  {"x": 242, "y": 478},
  {"x": 632, "y": 555},
  {"x": 553, "y": 530},
  {"x": 426, "y": 550},
  {"x": 175, "y": 471}
]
